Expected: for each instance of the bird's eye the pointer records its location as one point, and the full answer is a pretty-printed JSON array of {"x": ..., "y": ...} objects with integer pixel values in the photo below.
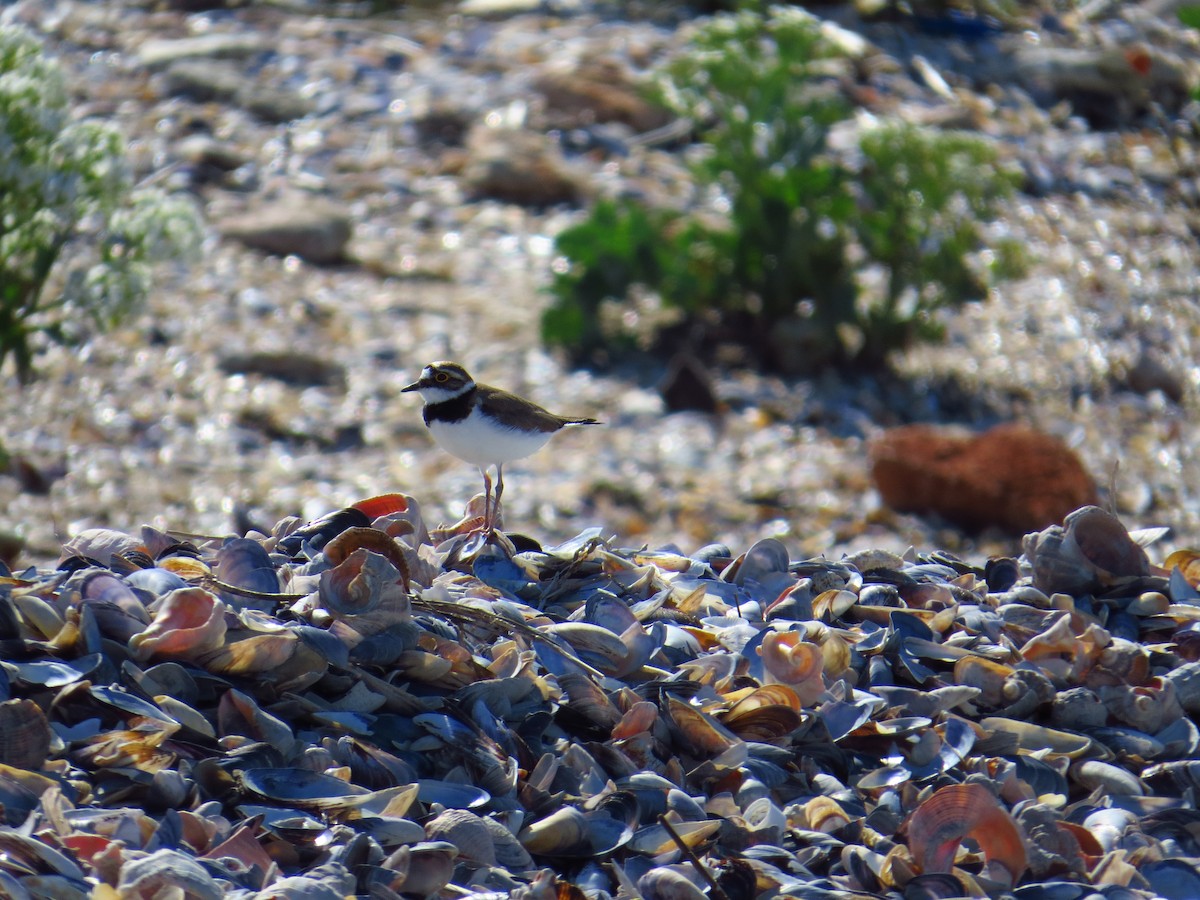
[{"x": 441, "y": 377}]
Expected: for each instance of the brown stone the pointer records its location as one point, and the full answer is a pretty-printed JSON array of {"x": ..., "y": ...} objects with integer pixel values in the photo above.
[
  {"x": 518, "y": 166},
  {"x": 1010, "y": 476},
  {"x": 599, "y": 91}
]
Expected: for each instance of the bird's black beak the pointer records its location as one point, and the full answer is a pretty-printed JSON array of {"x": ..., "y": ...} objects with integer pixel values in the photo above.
[{"x": 415, "y": 386}]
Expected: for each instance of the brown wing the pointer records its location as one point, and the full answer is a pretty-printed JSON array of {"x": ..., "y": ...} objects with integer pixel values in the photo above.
[{"x": 521, "y": 412}]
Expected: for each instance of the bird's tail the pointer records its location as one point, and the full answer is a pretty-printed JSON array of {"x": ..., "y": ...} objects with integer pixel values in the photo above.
[{"x": 584, "y": 422}]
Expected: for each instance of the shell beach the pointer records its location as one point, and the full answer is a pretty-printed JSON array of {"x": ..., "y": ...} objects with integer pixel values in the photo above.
[{"x": 698, "y": 658}]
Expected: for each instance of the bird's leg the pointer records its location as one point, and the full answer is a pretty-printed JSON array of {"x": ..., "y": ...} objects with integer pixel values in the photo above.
[
  {"x": 487, "y": 496},
  {"x": 499, "y": 490}
]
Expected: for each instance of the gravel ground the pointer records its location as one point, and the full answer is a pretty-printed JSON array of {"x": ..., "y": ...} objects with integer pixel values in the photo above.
[{"x": 146, "y": 424}]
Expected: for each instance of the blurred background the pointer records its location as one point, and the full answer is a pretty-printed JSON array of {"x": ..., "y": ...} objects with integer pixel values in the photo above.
[{"x": 752, "y": 240}]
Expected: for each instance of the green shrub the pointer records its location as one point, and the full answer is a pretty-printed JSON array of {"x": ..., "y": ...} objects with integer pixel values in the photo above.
[
  {"x": 923, "y": 196},
  {"x": 76, "y": 239},
  {"x": 781, "y": 272}
]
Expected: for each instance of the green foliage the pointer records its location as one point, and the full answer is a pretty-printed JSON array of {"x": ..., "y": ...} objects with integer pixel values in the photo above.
[
  {"x": 1189, "y": 15},
  {"x": 923, "y": 194},
  {"x": 76, "y": 239},
  {"x": 799, "y": 224}
]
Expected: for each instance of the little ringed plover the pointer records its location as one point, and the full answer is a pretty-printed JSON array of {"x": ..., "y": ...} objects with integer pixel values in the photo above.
[{"x": 483, "y": 425}]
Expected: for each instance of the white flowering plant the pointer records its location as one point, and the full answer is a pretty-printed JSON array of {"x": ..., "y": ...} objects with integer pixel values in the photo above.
[{"x": 77, "y": 239}]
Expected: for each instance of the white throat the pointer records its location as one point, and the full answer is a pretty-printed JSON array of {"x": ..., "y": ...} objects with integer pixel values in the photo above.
[{"x": 441, "y": 395}]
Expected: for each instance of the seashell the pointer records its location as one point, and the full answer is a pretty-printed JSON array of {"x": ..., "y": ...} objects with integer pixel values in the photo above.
[
  {"x": 117, "y": 608},
  {"x": 765, "y": 724},
  {"x": 698, "y": 733},
  {"x": 241, "y": 845},
  {"x": 316, "y": 790},
  {"x": 339, "y": 548},
  {"x": 25, "y": 735},
  {"x": 446, "y": 793},
  {"x": 789, "y": 659},
  {"x": 669, "y": 883},
  {"x": 863, "y": 866},
  {"x": 467, "y": 832},
  {"x": 1025, "y": 691},
  {"x": 1180, "y": 739},
  {"x": 765, "y": 820},
  {"x": 100, "y": 545},
  {"x": 638, "y": 719},
  {"x": 1121, "y": 662},
  {"x": 1172, "y": 877},
  {"x": 317, "y": 533},
  {"x": 936, "y": 829},
  {"x": 1108, "y": 826},
  {"x": 824, "y": 814},
  {"x": 833, "y": 604},
  {"x": 1187, "y": 562},
  {"x": 988, "y": 676},
  {"x": 424, "y": 868},
  {"x": 508, "y": 850},
  {"x": 245, "y": 563},
  {"x": 656, "y": 841},
  {"x": 360, "y": 583},
  {"x": 188, "y": 568},
  {"x": 761, "y": 563},
  {"x": 21, "y": 791},
  {"x": 1036, "y": 737},
  {"x": 1174, "y": 776},
  {"x": 1146, "y": 708},
  {"x": 1092, "y": 549},
  {"x": 156, "y": 582},
  {"x": 1186, "y": 681},
  {"x": 564, "y": 833},
  {"x": 934, "y": 886},
  {"x": 595, "y": 645},
  {"x": 237, "y": 713},
  {"x": 1112, "y": 780},
  {"x": 188, "y": 624},
  {"x": 586, "y": 698},
  {"x": 280, "y": 659},
  {"x": 164, "y": 871},
  {"x": 1149, "y": 603},
  {"x": 38, "y": 619},
  {"x": 1131, "y": 747},
  {"x": 1077, "y": 709}
]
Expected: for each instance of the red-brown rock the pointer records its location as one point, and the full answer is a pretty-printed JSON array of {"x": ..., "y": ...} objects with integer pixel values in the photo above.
[{"x": 1010, "y": 476}]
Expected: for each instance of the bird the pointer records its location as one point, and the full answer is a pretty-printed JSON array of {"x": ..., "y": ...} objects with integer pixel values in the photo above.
[{"x": 484, "y": 425}]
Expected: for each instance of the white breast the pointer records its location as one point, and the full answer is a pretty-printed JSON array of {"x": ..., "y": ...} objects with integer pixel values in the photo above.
[{"x": 482, "y": 443}]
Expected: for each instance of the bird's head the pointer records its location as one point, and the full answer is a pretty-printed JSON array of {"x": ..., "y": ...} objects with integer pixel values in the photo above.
[{"x": 441, "y": 381}]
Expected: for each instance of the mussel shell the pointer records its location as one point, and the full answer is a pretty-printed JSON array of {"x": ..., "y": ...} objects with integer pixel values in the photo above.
[
  {"x": 318, "y": 532},
  {"x": 934, "y": 886}
]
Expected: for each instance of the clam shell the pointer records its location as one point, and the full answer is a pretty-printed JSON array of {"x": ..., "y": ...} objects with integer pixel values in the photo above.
[
  {"x": 1095, "y": 775},
  {"x": 938, "y": 825},
  {"x": 668, "y": 883},
  {"x": 25, "y": 735},
  {"x": 361, "y": 582},
  {"x": 467, "y": 832},
  {"x": 656, "y": 841},
  {"x": 188, "y": 623}
]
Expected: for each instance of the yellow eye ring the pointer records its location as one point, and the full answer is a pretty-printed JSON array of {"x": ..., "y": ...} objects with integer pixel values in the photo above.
[{"x": 441, "y": 377}]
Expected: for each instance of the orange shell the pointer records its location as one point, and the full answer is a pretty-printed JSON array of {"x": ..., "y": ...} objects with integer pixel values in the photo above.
[
  {"x": 362, "y": 538},
  {"x": 382, "y": 505},
  {"x": 187, "y": 624},
  {"x": 791, "y": 660},
  {"x": 937, "y": 827}
]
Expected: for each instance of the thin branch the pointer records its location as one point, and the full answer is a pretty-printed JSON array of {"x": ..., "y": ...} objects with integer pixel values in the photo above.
[{"x": 693, "y": 859}]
